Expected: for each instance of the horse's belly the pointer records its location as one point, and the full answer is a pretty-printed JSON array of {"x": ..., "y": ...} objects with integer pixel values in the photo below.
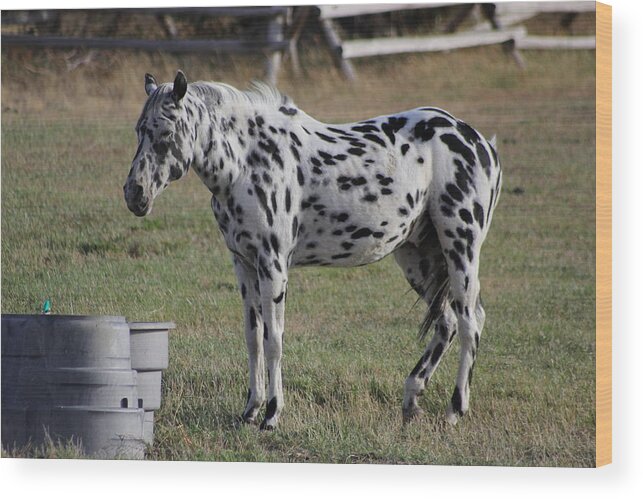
[{"x": 341, "y": 237}]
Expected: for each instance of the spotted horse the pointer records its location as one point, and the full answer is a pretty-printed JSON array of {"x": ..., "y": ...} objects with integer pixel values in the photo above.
[{"x": 288, "y": 191}]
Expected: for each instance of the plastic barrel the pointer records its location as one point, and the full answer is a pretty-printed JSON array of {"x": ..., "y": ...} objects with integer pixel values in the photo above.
[
  {"x": 50, "y": 361},
  {"x": 149, "y": 345}
]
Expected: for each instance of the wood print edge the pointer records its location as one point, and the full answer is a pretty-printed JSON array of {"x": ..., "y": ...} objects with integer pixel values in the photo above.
[{"x": 603, "y": 234}]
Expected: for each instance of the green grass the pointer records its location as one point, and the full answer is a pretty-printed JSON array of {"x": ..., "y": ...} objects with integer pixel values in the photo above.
[{"x": 350, "y": 333}]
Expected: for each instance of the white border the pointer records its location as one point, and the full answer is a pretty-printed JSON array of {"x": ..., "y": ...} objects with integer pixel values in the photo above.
[{"x": 25, "y": 478}]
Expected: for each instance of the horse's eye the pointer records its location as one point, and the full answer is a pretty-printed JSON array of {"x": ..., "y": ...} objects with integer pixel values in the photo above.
[{"x": 166, "y": 134}]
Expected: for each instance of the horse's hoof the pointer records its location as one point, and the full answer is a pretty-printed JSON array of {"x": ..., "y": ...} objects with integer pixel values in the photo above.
[
  {"x": 452, "y": 417},
  {"x": 267, "y": 426},
  {"x": 411, "y": 413},
  {"x": 249, "y": 420}
]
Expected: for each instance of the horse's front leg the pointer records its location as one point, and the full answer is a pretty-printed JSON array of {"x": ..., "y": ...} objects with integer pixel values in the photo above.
[
  {"x": 273, "y": 282},
  {"x": 249, "y": 286}
]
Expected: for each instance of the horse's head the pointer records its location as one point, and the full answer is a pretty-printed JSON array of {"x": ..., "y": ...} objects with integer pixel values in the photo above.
[{"x": 165, "y": 144}]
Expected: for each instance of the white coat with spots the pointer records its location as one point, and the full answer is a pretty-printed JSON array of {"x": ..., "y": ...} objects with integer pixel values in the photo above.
[{"x": 288, "y": 190}]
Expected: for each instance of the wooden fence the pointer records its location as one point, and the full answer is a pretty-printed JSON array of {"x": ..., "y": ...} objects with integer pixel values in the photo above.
[
  {"x": 272, "y": 45},
  {"x": 499, "y": 27},
  {"x": 499, "y": 24}
]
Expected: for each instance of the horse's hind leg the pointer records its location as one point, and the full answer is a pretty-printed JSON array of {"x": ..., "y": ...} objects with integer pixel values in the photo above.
[
  {"x": 425, "y": 268},
  {"x": 461, "y": 242}
]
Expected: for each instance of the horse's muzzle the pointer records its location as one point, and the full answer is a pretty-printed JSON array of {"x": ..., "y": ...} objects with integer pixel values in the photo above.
[{"x": 136, "y": 201}]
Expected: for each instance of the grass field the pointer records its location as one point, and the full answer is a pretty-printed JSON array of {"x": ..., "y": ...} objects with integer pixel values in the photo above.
[{"x": 67, "y": 143}]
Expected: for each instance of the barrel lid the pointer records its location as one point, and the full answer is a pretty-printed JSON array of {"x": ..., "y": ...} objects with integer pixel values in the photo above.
[{"x": 151, "y": 326}]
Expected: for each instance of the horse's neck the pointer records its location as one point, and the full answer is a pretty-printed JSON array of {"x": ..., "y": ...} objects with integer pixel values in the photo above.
[{"x": 223, "y": 147}]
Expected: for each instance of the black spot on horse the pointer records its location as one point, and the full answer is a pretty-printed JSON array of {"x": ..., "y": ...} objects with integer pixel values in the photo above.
[
  {"x": 356, "y": 151},
  {"x": 295, "y": 139},
  {"x": 288, "y": 200},
  {"x": 279, "y": 298},
  {"x": 364, "y": 232},
  {"x": 288, "y": 111},
  {"x": 446, "y": 211},
  {"x": 465, "y": 215},
  {"x": 375, "y": 138},
  {"x": 437, "y": 353},
  {"x": 272, "y": 408},
  {"x": 439, "y": 121},
  {"x": 457, "y": 146},
  {"x": 483, "y": 156},
  {"x": 326, "y": 138},
  {"x": 404, "y": 149},
  {"x": 478, "y": 214},
  {"x": 295, "y": 152},
  {"x": 456, "y": 401},
  {"x": 466, "y": 234},
  {"x": 273, "y": 201},
  {"x": 462, "y": 178},
  {"x": 383, "y": 180},
  {"x": 457, "y": 261},
  {"x": 338, "y": 131},
  {"x": 455, "y": 192},
  {"x": 274, "y": 242},
  {"x": 392, "y": 126},
  {"x": 469, "y": 134},
  {"x": 365, "y": 128},
  {"x": 447, "y": 200},
  {"x": 423, "y": 131}
]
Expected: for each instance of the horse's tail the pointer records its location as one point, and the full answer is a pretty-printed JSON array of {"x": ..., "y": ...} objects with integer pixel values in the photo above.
[{"x": 437, "y": 304}]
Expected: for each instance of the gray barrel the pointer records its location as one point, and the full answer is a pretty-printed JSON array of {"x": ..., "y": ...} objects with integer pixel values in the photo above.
[
  {"x": 103, "y": 432},
  {"x": 49, "y": 361},
  {"x": 149, "y": 345}
]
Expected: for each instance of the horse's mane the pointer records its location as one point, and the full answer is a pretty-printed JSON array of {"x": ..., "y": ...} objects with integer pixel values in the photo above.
[
  {"x": 215, "y": 94},
  {"x": 259, "y": 93}
]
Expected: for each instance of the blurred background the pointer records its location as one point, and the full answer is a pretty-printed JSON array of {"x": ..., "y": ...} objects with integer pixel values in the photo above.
[{"x": 72, "y": 90}]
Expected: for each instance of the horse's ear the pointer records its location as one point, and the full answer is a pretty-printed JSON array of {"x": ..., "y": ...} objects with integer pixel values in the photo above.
[
  {"x": 150, "y": 83},
  {"x": 180, "y": 86}
]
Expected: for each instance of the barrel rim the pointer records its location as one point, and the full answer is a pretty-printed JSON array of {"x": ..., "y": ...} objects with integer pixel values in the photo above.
[
  {"x": 52, "y": 317},
  {"x": 151, "y": 326}
]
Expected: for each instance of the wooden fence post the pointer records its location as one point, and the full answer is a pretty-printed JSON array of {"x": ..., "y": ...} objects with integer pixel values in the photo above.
[
  {"x": 275, "y": 35},
  {"x": 335, "y": 45}
]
